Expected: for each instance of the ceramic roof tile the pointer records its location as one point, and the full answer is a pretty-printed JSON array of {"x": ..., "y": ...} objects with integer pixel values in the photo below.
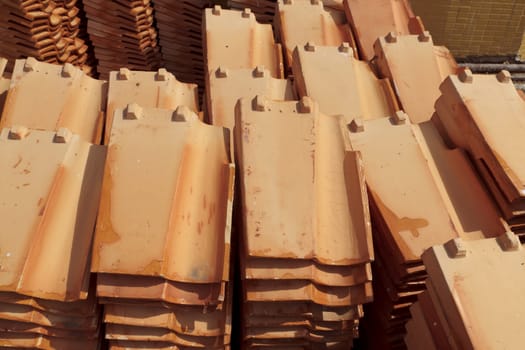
[
  {"x": 371, "y": 19},
  {"x": 300, "y": 290},
  {"x": 121, "y": 332},
  {"x": 297, "y": 333},
  {"x": 148, "y": 89},
  {"x": 50, "y": 190},
  {"x": 152, "y": 345},
  {"x": 198, "y": 321},
  {"x": 289, "y": 269},
  {"x": 180, "y": 213},
  {"x": 318, "y": 71},
  {"x": 31, "y": 328},
  {"x": 404, "y": 60},
  {"x": 226, "y": 86},
  {"x": 312, "y": 190},
  {"x": 35, "y": 341},
  {"x": 234, "y": 39},
  {"x": 467, "y": 107},
  {"x": 24, "y": 313},
  {"x": 76, "y": 101},
  {"x": 155, "y": 288},
  {"x": 411, "y": 206},
  {"x": 302, "y": 21},
  {"x": 307, "y": 310},
  {"x": 4, "y": 83},
  {"x": 464, "y": 274}
]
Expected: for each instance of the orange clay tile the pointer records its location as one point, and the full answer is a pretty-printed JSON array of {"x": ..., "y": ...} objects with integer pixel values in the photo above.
[
  {"x": 23, "y": 313},
  {"x": 359, "y": 95},
  {"x": 468, "y": 106},
  {"x": 148, "y": 89},
  {"x": 418, "y": 331},
  {"x": 300, "y": 290},
  {"x": 404, "y": 60},
  {"x": 177, "y": 223},
  {"x": 287, "y": 269},
  {"x": 76, "y": 101},
  {"x": 279, "y": 321},
  {"x": 234, "y": 39},
  {"x": 4, "y": 83},
  {"x": 226, "y": 86},
  {"x": 50, "y": 196},
  {"x": 300, "y": 21},
  {"x": 153, "y": 345},
  {"x": 36, "y": 341},
  {"x": 31, "y": 328},
  {"x": 371, "y": 19},
  {"x": 307, "y": 310},
  {"x": 121, "y": 332},
  {"x": 469, "y": 204},
  {"x": 409, "y": 202},
  {"x": 156, "y": 288},
  {"x": 191, "y": 320},
  {"x": 464, "y": 274},
  {"x": 297, "y": 333},
  {"x": 294, "y": 186}
]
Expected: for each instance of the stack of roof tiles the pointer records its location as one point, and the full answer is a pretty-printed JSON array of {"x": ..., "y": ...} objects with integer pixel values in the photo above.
[
  {"x": 456, "y": 311},
  {"x": 180, "y": 37},
  {"x": 305, "y": 273},
  {"x": 162, "y": 242},
  {"x": 47, "y": 30},
  {"x": 467, "y": 106},
  {"x": 51, "y": 179},
  {"x": 123, "y": 34}
]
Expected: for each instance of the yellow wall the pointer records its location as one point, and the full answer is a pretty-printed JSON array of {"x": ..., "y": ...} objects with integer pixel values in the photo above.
[{"x": 475, "y": 27}]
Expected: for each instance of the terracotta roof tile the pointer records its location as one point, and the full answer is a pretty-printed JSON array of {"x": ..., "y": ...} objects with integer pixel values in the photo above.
[
  {"x": 234, "y": 39},
  {"x": 51, "y": 187},
  {"x": 300, "y": 21},
  {"x": 76, "y": 102},
  {"x": 359, "y": 95},
  {"x": 35, "y": 341}
]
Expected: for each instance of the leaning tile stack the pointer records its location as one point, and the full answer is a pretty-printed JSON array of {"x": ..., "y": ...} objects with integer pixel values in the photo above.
[
  {"x": 51, "y": 173},
  {"x": 467, "y": 106},
  {"x": 123, "y": 34},
  {"x": 162, "y": 242},
  {"x": 180, "y": 37},
  {"x": 457, "y": 311},
  {"x": 303, "y": 21},
  {"x": 305, "y": 239},
  {"x": 47, "y": 30}
]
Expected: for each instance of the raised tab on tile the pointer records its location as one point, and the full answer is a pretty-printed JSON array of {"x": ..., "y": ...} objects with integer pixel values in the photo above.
[
  {"x": 63, "y": 135},
  {"x": 217, "y": 10},
  {"x": 465, "y": 75},
  {"x": 221, "y": 72},
  {"x": 67, "y": 70},
  {"x": 246, "y": 13},
  {"x": 259, "y": 72},
  {"x": 184, "y": 114},
  {"x": 133, "y": 111},
  {"x": 391, "y": 38},
  {"x": 346, "y": 48},
  {"x": 305, "y": 105},
  {"x": 18, "y": 132},
  {"x": 399, "y": 118},
  {"x": 509, "y": 242},
  {"x": 30, "y": 64},
  {"x": 356, "y": 125},
  {"x": 456, "y": 248},
  {"x": 310, "y": 46},
  {"x": 260, "y": 103},
  {"x": 504, "y": 76},
  {"x": 124, "y": 74},
  {"x": 424, "y": 36},
  {"x": 162, "y": 75}
]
